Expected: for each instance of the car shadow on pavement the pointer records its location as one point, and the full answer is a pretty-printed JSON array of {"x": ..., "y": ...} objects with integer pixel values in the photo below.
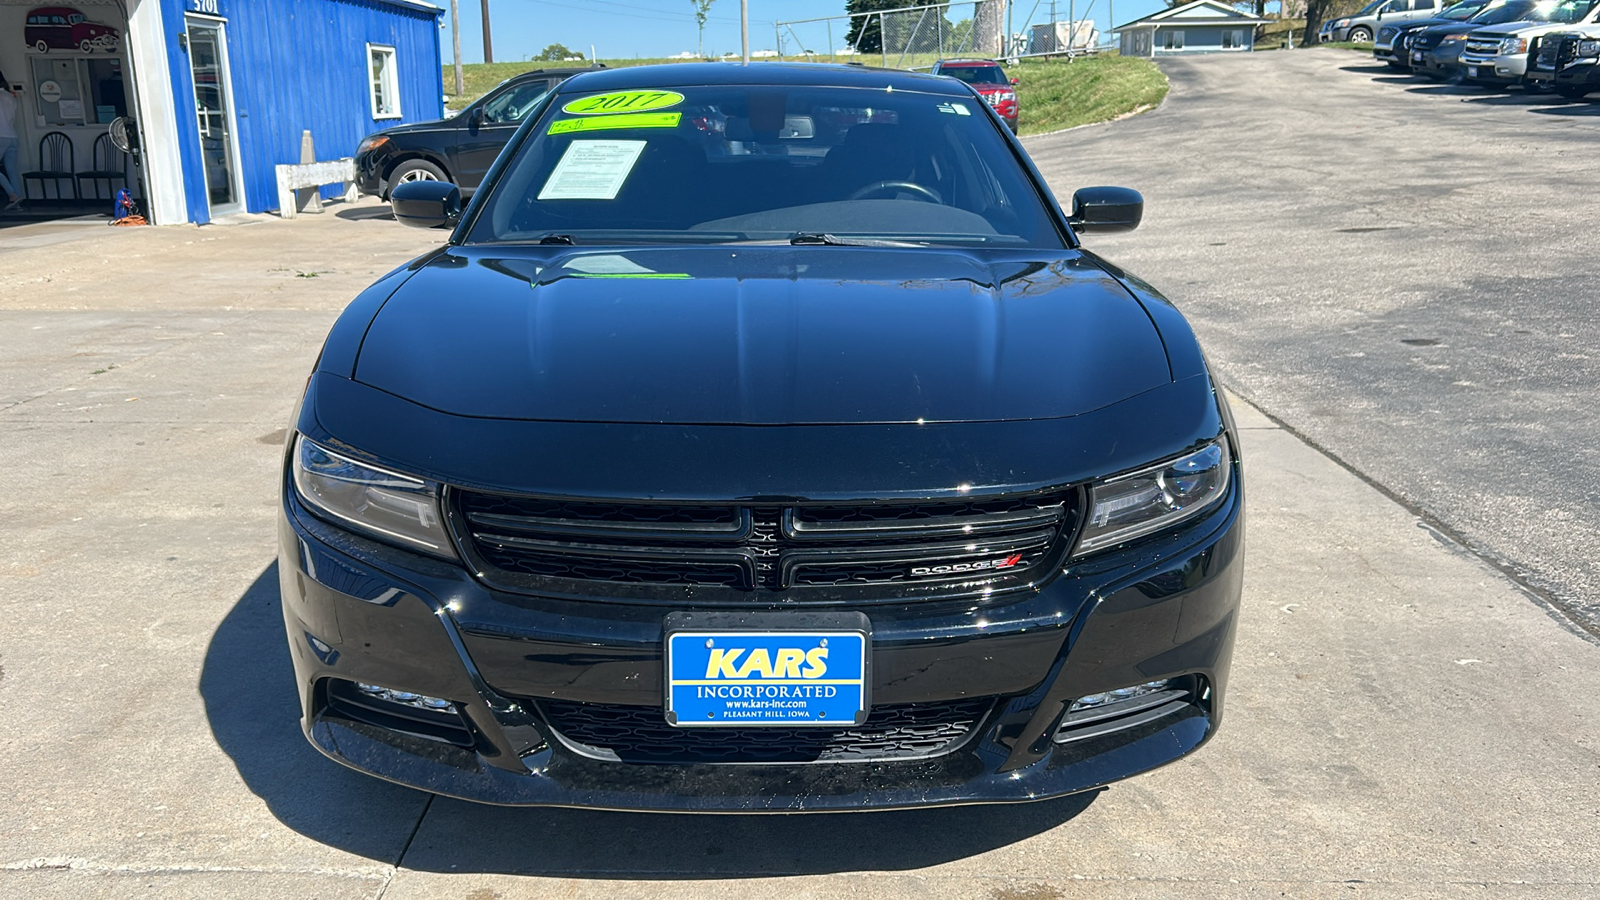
[
  {"x": 1571, "y": 109},
  {"x": 363, "y": 213},
  {"x": 247, "y": 685},
  {"x": 1369, "y": 67}
]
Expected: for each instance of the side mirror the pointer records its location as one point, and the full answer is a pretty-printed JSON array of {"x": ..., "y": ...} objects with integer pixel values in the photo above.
[
  {"x": 1015, "y": 81},
  {"x": 475, "y": 118},
  {"x": 426, "y": 204},
  {"x": 1106, "y": 210}
]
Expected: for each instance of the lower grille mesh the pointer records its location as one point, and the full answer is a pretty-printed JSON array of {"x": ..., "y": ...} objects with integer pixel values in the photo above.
[{"x": 640, "y": 734}]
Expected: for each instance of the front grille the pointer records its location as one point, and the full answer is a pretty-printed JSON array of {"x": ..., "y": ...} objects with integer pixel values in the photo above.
[
  {"x": 640, "y": 734},
  {"x": 1566, "y": 50},
  {"x": 1482, "y": 47},
  {"x": 630, "y": 550},
  {"x": 1386, "y": 34}
]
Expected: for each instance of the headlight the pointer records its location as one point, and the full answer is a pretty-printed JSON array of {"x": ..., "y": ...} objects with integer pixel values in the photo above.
[
  {"x": 999, "y": 97},
  {"x": 1456, "y": 37},
  {"x": 1134, "y": 505},
  {"x": 1341, "y": 23},
  {"x": 376, "y": 501},
  {"x": 1513, "y": 45},
  {"x": 1588, "y": 48},
  {"x": 371, "y": 143}
]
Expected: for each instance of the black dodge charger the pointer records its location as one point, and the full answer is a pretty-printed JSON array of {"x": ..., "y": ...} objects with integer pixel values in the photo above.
[{"x": 761, "y": 440}]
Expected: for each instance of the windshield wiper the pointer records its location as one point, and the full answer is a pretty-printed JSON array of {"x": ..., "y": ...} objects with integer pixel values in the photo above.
[
  {"x": 557, "y": 239},
  {"x": 802, "y": 238}
]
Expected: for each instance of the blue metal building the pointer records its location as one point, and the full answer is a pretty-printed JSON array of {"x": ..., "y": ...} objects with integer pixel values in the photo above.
[{"x": 222, "y": 90}]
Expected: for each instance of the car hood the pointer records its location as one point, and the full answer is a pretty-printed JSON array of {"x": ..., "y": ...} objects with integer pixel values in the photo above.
[{"x": 759, "y": 335}]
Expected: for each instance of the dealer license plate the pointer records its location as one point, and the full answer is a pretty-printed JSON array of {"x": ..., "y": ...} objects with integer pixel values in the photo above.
[
  {"x": 1416, "y": 56},
  {"x": 1472, "y": 71},
  {"x": 767, "y": 678}
]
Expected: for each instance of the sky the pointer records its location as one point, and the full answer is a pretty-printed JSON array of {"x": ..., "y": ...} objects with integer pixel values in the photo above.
[{"x": 622, "y": 29}]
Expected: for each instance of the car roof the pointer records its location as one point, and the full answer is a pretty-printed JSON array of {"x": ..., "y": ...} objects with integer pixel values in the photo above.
[
  {"x": 546, "y": 73},
  {"x": 762, "y": 73},
  {"x": 967, "y": 62}
]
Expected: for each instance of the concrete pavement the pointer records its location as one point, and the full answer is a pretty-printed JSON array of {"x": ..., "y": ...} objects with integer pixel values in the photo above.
[{"x": 1404, "y": 722}]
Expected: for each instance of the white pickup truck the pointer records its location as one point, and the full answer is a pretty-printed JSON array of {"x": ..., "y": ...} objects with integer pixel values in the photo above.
[{"x": 1498, "y": 56}]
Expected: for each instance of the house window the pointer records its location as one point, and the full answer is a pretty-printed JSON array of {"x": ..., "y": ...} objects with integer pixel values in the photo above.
[
  {"x": 385, "y": 86},
  {"x": 1172, "y": 40},
  {"x": 1233, "y": 39}
]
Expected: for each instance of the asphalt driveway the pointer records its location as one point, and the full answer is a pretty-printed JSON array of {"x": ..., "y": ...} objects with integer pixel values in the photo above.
[
  {"x": 1404, "y": 722},
  {"x": 1400, "y": 270}
]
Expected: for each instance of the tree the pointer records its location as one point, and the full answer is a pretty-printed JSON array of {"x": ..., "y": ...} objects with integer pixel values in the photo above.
[
  {"x": 702, "y": 12},
  {"x": 556, "y": 53},
  {"x": 1319, "y": 11},
  {"x": 864, "y": 33}
]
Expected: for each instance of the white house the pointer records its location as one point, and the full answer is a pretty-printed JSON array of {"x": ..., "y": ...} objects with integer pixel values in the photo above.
[{"x": 1203, "y": 26}]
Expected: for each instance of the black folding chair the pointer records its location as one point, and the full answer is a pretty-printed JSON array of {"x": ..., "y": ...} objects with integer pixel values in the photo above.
[
  {"x": 110, "y": 166},
  {"x": 55, "y": 164}
]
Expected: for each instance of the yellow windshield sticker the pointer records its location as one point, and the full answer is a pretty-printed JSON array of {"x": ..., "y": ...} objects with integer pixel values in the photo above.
[
  {"x": 622, "y": 102},
  {"x": 607, "y": 123}
]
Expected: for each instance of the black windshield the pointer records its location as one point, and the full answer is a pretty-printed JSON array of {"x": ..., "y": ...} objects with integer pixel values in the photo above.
[
  {"x": 1500, "y": 13},
  {"x": 741, "y": 163},
  {"x": 976, "y": 74}
]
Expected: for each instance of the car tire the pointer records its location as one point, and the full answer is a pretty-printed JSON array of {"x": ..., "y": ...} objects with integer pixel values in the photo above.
[
  {"x": 416, "y": 170},
  {"x": 41, "y": 46},
  {"x": 1359, "y": 36},
  {"x": 1572, "y": 91},
  {"x": 1395, "y": 66},
  {"x": 84, "y": 46}
]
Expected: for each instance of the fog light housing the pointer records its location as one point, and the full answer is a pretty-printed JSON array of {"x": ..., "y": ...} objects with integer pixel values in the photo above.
[
  {"x": 406, "y": 698},
  {"x": 1120, "y": 694},
  {"x": 1093, "y": 715}
]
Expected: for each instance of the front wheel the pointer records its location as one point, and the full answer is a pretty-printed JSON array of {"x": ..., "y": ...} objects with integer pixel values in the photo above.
[
  {"x": 41, "y": 46},
  {"x": 416, "y": 170},
  {"x": 1396, "y": 66},
  {"x": 1360, "y": 35},
  {"x": 84, "y": 46}
]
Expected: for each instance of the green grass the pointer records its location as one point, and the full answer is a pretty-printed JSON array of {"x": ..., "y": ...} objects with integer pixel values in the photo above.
[{"x": 1054, "y": 94}]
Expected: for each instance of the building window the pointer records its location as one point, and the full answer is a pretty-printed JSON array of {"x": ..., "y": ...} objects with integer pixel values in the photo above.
[
  {"x": 385, "y": 85},
  {"x": 1233, "y": 39},
  {"x": 1172, "y": 40}
]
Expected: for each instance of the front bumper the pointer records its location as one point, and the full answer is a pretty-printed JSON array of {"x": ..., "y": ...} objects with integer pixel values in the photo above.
[
  {"x": 1494, "y": 70},
  {"x": 370, "y": 167},
  {"x": 1443, "y": 60},
  {"x": 365, "y": 612},
  {"x": 1579, "y": 72}
]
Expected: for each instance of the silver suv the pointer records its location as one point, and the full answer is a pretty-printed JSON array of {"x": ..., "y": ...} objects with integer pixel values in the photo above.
[{"x": 1363, "y": 25}]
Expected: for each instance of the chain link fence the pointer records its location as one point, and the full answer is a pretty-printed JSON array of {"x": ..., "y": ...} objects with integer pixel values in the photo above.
[{"x": 917, "y": 36}]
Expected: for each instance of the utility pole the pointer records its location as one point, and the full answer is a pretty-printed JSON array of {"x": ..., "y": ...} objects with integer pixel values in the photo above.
[
  {"x": 455, "y": 45},
  {"x": 744, "y": 29},
  {"x": 488, "y": 42}
]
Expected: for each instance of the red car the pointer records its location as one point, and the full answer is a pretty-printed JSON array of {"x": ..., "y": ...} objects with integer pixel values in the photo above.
[
  {"x": 988, "y": 79},
  {"x": 64, "y": 28}
]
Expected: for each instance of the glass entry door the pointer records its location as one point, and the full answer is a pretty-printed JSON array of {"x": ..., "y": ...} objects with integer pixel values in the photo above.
[{"x": 213, "y": 106}]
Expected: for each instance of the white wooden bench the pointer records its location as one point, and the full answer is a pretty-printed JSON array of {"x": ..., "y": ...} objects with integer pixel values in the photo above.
[{"x": 310, "y": 177}]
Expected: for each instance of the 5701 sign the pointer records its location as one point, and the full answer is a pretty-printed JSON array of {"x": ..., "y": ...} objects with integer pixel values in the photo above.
[{"x": 205, "y": 6}]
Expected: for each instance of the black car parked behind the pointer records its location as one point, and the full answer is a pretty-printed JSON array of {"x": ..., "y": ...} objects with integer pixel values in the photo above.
[{"x": 459, "y": 149}]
